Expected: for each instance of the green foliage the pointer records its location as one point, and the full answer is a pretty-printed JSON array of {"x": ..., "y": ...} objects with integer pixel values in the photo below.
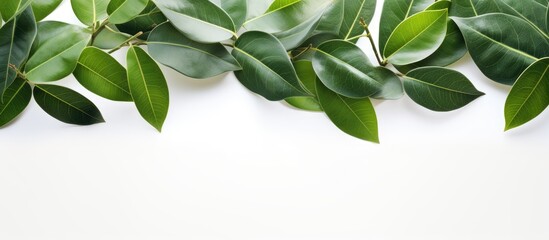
[{"x": 303, "y": 52}]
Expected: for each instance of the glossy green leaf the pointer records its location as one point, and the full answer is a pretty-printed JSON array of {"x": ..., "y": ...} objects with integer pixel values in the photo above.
[
  {"x": 237, "y": 10},
  {"x": 266, "y": 67},
  {"x": 197, "y": 60},
  {"x": 202, "y": 21},
  {"x": 440, "y": 89},
  {"x": 15, "y": 100},
  {"x": 110, "y": 38},
  {"x": 294, "y": 37},
  {"x": 529, "y": 96},
  {"x": 473, "y": 8},
  {"x": 57, "y": 50},
  {"x": 90, "y": 12},
  {"x": 332, "y": 19},
  {"x": 43, "y": 8},
  {"x": 100, "y": 73},
  {"x": 257, "y": 7},
  {"x": 345, "y": 69},
  {"x": 145, "y": 22},
  {"x": 391, "y": 88},
  {"x": 394, "y": 12},
  {"x": 121, "y": 11},
  {"x": 66, "y": 105},
  {"x": 355, "y": 117},
  {"x": 280, "y": 4},
  {"x": 307, "y": 77},
  {"x": 12, "y": 8},
  {"x": 417, "y": 37},
  {"x": 501, "y": 45},
  {"x": 353, "y": 11},
  {"x": 148, "y": 87},
  {"x": 16, "y": 38}
]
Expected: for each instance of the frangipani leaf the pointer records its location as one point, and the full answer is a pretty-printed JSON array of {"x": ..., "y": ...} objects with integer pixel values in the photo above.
[
  {"x": 439, "y": 89},
  {"x": 529, "y": 96}
]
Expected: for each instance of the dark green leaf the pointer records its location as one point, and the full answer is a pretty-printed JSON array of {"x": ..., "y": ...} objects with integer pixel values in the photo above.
[
  {"x": 148, "y": 87},
  {"x": 440, "y": 89},
  {"x": 394, "y": 12},
  {"x": 197, "y": 60},
  {"x": 12, "y": 8},
  {"x": 90, "y": 11},
  {"x": 121, "y": 11},
  {"x": 109, "y": 38},
  {"x": 501, "y": 45},
  {"x": 266, "y": 67},
  {"x": 16, "y": 39},
  {"x": 391, "y": 88},
  {"x": 473, "y": 8},
  {"x": 529, "y": 96},
  {"x": 15, "y": 100},
  {"x": 307, "y": 77},
  {"x": 145, "y": 22},
  {"x": 66, "y": 105},
  {"x": 43, "y": 8},
  {"x": 56, "y": 51},
  {"x": 353, "y": 11},
  {"x": 345, "y": 69},
  {"x": 103, "y": 75},
  {"x": 417, "y": 37},
  {"x": 202, "y": 21},
  {"x": 292, "y": 38},
  {"x": 355, "y": 117},
  {"x": 547, "y": 20},
  {"x": 237, "y": 10}
]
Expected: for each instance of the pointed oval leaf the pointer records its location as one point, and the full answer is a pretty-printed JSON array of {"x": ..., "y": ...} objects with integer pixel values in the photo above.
[
  {"x": 145, "y": 22},
  {"x": 12, "y": 8},
  {"x": 237, "y": 10},
  {"x": 528, "y": 97},
  {"x": 43, "y": 8},
  {"x": 345, "y": 69},
  {"x": 355, "y": 117},
  {"x": 110, "y": 38},
  {"x": 294, "y": 37},
  {"x": 90, "y": 11},
  {"x": 500, "y": 55},
  {"x": 57, "y": 51},
  {"x": 121, "y": 11},
  {"x": 353, "y": 11},
  {"x": 16, "y": 39},
  {"x": 417, "y": 37},
  {"x": 307, "y": 78},
  {"x": 394, "y": 12},
  {"x": 100, "y": 73},
  {"x": 148, "y": 87},
  {"x": 266, "y": 67},
  {"x": 202, "y": 21},
  {"x": 197, "y": 60},
  {"x": 66, "y": 105},
  {"x": 440, "y": 89},
  {"x": 15, "y": 100}
]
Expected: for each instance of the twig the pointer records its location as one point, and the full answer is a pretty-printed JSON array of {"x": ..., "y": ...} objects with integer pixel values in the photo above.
[
  {"x": 126, "y": 42},
  {"x": 369, "y": 35}
]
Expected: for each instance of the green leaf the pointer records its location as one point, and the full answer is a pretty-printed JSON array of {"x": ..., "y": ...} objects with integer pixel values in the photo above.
[
  {"x": 440, "y": 89},
  {"x": 12, "y": 8},
  {"x": 110, "y": 38},
  {"x": 293, "y": 37},
  {"x": 43, "y": 8},
  {"x": 197, "y": 60},
  {"x": 450, "y": 51},
  {"x": 145, "y": 22},
  {"x": 391, "y": 88},
  {"x": 201, "y": 21},
  {"x": 394, "y": 12},
  {"x": 266, "y": 67},
  {"x": 355, "y": 117},
  {"x": 353, "y": 11},
  {"x": 148, "y": 87},
  {"x": 473, "y": 8},
  {"x": 57, "y": 50},
  {"x": 417, "y": 37},
  {"x": 501, "y": 45},
  {"x": 16, "y": 39},
  {"x": 258, "y": 7},
  {"x": 15, "y": 100},
  {"x": 280, "y": 4},
  {"x": 307, "y": 77},
  {"x": 103, "y": 75},
  {"x": 345, "y": 69},
  {"x": 121, "y": 11},
  {"x": 66, "y": 105},
  {"x": 547, "y": 20},
  {"x": 237, "y": 10},
  {"x": 90, "y": 11},
  {"x": 528, "y": 97}
]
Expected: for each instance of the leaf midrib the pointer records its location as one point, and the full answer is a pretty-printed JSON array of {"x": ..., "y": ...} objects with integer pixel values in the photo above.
[
  {"x": 528, "y": 98},
  {"x": 356, "y": 115},
  {"x": 188, "y": 47},
  {"x": 356, "y": 19},
  {"x": 142, "y": 74},
  {"x": 105, "y": 78},
  {"x": 54, "y": 56},
  {"x": 353, "y": 67},
  {"x": 439, "y": 87},
  {"x": 205, "y": 22}
]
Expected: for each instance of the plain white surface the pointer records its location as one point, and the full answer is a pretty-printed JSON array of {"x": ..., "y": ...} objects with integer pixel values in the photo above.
[{"x": 231, "y": 165}]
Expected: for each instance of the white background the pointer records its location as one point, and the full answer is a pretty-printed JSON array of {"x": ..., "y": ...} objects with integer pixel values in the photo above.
[{"x": 231, "y": 165}]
